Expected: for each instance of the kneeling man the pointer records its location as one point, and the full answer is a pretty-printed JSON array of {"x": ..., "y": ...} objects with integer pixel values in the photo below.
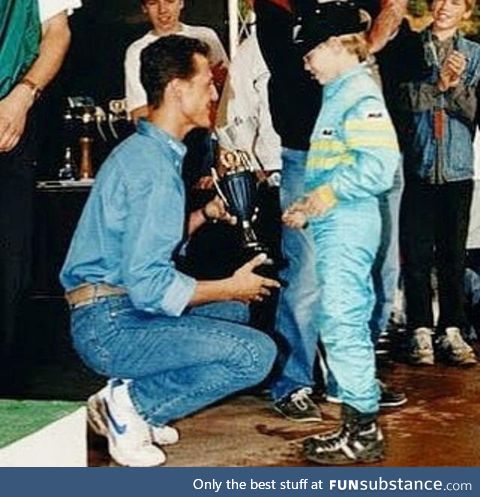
[{"x": 170, "y": 345}]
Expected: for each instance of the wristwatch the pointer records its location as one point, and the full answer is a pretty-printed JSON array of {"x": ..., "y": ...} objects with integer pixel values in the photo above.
[{"x": 35, "y": 89}]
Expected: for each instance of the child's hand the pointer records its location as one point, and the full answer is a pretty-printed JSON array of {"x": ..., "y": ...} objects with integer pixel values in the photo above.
[
  {"x": 294, "y": 217},
  {"x": 451, "y": 71},
  {"x": 315, "y": 203}
]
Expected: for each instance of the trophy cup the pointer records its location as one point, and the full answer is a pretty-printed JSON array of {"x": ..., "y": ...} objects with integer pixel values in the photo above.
[
  {"x": 237, "y": 178},
  {"x": 238, "y": 188}
]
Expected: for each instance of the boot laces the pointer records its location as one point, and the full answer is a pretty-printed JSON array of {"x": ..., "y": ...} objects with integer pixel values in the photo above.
[
  {"x": 336, "y": 441},
  {"x": 301, "y": 398}
]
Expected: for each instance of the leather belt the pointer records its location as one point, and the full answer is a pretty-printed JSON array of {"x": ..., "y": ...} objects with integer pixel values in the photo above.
[{"x": 88, "y": 294}]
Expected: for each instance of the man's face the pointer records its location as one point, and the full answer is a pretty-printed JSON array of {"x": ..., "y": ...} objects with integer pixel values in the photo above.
[
  {"x": 198, "y": 95},
  {"x": 448, "y": 14},
  {"x": 164, "y": 15},
  {"x": 321, "y": 61}
]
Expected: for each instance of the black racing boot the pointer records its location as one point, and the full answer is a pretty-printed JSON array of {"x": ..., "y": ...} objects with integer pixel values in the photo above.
[{"x": 359, "y": 440}]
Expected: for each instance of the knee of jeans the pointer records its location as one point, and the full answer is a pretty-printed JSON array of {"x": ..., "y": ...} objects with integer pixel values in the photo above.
[{"x": 253, "y": 359}]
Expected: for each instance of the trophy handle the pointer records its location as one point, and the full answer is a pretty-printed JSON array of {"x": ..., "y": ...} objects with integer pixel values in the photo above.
[{"x": 217, "y": 186}]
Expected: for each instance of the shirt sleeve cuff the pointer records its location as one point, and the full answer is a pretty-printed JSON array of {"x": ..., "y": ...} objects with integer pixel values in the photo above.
[{"x": 178, "y": 295}]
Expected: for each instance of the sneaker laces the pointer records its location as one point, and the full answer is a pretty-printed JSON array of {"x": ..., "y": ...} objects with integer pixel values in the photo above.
[{"x": 301, "y": 398}]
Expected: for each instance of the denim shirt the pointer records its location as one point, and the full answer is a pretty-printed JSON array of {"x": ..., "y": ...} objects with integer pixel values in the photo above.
[
  {"x": 449, "y": 157},
  {"x": 133, "y": 224},
  {"x": 353, "y": 148}
]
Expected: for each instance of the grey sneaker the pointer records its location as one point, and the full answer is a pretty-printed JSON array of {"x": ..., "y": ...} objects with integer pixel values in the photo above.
[
  {"x": 299, "y": 407},
  {"x": 454, "y": 350},
  {"x": 422, "y": 347}
]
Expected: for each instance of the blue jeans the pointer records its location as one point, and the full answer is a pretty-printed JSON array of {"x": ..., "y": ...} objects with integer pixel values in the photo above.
[
  {"x": 177, "y": 365},
  {"x": 386, "y": 269},
  {"x": 295, "y": 322},
  {"x": 346, "y": 243}
]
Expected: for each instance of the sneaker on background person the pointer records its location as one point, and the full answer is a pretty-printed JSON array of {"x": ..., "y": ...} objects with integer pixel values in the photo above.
[
  {"x": 454, "y": 350},
  {"x": 299, "y": 407},
  {"x": 422, "y": 347},
  {"x": 111, "y": 413}
]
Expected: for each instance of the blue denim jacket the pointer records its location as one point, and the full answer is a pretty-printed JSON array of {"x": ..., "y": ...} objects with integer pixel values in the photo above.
[
  {"x": 450, "y": 157},
  {"x": 133, "y": 224}
]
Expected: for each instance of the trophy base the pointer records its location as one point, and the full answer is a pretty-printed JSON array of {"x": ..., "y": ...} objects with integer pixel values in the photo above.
[{"x": 270, "y": 267}]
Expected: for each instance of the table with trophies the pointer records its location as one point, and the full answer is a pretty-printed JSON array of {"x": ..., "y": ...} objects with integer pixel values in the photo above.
[{"x": 89, "y": 133}]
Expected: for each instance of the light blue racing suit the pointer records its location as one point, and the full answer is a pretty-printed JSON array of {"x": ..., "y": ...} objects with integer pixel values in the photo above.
[{"x": 353, "y": 157}]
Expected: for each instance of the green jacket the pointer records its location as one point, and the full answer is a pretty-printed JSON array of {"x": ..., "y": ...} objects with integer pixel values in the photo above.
[{"x": 20, "y": 35}]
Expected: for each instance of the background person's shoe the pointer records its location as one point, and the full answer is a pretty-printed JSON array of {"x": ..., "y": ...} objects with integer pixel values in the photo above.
[
  {"x": 422, "y": 347},
  {"x": 452, "y": 349},
  {"x": 299, "y": 407},
  {"x": 390, "y": 397},
  {"x": 160, "y": 435},
  {"x": 128, "y": 435},
  {"x": 360, "y": 440}
]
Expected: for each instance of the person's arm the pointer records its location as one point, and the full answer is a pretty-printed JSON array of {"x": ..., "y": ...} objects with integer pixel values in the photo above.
[
  {"x": 387, "y": 23},
  {"x": 212, "y": 211},
  {"x": 154, "y": 230},
  {"x": 275, "y": 32},
  {"x": 15, "y": 106}
]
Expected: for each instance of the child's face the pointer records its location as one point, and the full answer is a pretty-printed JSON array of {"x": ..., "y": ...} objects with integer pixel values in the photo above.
[
  {"x": 448, "y": 14},
  {"x": 322, "y": 61}
]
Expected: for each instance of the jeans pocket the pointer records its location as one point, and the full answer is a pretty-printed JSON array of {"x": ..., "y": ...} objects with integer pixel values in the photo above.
[{"x": 87, "y": 332}]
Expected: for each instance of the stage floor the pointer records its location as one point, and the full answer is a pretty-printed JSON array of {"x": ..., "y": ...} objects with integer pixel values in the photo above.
[{"x": 439, "y": 426}]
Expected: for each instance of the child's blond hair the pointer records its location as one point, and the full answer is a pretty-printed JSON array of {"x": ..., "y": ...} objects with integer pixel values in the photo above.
[{"x": 356, "y": 44}]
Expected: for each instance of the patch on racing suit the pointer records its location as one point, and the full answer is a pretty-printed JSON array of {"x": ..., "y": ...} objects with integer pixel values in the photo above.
[
  {"x": 327, "y": 132},
  {"x": 374, "y": 115}
]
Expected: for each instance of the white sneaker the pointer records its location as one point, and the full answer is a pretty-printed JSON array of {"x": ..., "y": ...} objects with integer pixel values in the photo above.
[
  {"x": 422, "y": 347},
  {"x": 111, "y": 413},
  {"x": 160, "y": 435},
  {"x": 454, "y": 349}
]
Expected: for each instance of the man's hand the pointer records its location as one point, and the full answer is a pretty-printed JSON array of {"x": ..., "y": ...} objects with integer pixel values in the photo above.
[
  {"x": 13, "y": 115},
  {"x": 204, "y": 183},
  {"x": 216, "y": 210},
  {"x": 250, "y": 287},
  {"x": 451, "y": 71}
]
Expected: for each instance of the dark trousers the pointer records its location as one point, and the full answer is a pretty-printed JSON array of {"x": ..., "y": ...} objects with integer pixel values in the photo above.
[
  {"x": 434, "y": 230},
  {"x": 17, "y": 180}
]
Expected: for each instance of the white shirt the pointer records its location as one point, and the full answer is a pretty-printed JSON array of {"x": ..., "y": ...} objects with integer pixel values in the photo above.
[
  {"x": 246, "y": 94},
  {"x": 134, "y": 92},
  {"x": 50, "y": 8}
]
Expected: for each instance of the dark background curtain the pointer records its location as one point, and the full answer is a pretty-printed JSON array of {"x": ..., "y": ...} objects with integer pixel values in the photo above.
[{"x": 101, "y": 33}]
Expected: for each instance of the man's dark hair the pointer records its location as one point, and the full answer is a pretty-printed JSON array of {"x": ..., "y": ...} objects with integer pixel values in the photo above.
[{"x": 168, "y": 58}]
